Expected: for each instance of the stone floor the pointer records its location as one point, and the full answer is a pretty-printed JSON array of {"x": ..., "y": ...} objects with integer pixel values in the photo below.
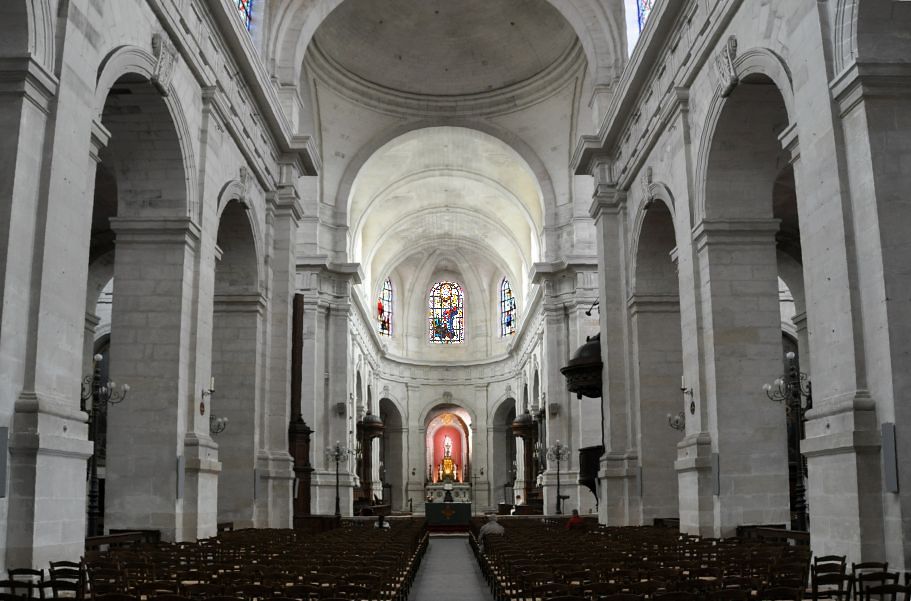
[{"x": 449, "y": 572}]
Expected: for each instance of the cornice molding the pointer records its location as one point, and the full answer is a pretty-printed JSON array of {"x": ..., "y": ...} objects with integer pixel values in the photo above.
[{"x": 569, "y": 66}]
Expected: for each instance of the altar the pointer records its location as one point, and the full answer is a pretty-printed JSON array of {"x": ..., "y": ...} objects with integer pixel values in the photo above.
[
  {"x": 460, "y": 492},
  {"x": 448, "y": 517},
  {"x": 446, "y": 482}
]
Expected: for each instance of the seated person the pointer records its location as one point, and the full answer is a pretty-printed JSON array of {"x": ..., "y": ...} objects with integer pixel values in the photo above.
[
  {"x": 381, "y": 522},
  {"x": 575, "y": 521},
  {"x": 491, "y": 527}
]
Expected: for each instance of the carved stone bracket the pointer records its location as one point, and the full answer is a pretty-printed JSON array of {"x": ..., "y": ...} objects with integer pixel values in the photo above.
[
  {"x": 166, "y": 61},
  {"x": 724, "y": 66},
  {"x": 646, "y": 182}
]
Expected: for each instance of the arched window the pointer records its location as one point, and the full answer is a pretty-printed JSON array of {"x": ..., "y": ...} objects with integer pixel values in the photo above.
[
  {"x": 507, "y": 309},
  {"x": 384, "y": 309},
  {"x": 446, "y": 313},
  {"x": 245, "y": 8},
  {"x": 643, "y": 8}
]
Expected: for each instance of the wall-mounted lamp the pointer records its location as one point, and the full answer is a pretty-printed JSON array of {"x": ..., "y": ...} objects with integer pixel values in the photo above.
[
  {"x": 206, "y": 392},
  {"x": 677, "y": 422},
  {"x": 683, "y": 387},
  {"x": 217, "y": 424},
  {"x": 594, "y": 304}
]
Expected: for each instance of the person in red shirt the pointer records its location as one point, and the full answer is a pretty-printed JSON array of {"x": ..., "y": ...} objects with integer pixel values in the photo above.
[{"x": 575, "y": 521}]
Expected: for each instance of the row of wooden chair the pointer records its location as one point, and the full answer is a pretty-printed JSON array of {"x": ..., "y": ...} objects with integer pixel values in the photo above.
[
  {"x": 250, "y": 565},
  {"x": 537, "y": 561}
]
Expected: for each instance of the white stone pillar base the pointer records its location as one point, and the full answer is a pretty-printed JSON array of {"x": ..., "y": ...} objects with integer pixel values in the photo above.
[
  {"x": 323, "y": 493},
  {"x": 202, "y": 467},
  {"x": 275, "y": 482},
  {"x": 48, "y": 451},
  {"x": 694, "y": 485}
]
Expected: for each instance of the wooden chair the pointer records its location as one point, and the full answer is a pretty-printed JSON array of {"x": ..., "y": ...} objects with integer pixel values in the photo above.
[
  {"x": 890, "y": 592},
  {"x": 780, "y": 593},
  {"x": 730, "y": 594},
  {"x": 831, "y": 585}
]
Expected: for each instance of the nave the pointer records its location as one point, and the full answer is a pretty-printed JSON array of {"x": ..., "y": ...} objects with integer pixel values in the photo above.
[
  {"x": 533, "y": 559},
  {"x": 449, "y": 571}
]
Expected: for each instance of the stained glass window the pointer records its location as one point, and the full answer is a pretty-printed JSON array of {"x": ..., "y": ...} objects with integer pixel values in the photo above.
[
  {"x": 245, "y": 8},
  {"x": 643, "y": 8},
  {"x": 446, "y": 313},
  {"x": 384, "y": 309},
  {"x": 507, "y": 309}
]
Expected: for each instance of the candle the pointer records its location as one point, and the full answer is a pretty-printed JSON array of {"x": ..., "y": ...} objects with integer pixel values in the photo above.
[
  {"x": 212, "y": 383},
  {"x": 682, "y": 383}
]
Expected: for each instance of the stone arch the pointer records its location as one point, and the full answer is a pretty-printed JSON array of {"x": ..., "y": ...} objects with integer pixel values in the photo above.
[
  {"x": 656, "y": 192},
  {"x": 444, "y": 402},
  {"x": 753, "y": 65},
  {"x": 598, "y": 27},
  {"x": 394, "y": 459},
  {"x": 502, "y": 447},
  {"x": 237, "y": 191},
  {"x": 510, "y": 139},
  {"x": 656, "y": 341},
  {"x": 870, "y": 31},
  {"x": 723, "y": 148},
  {"x": 239, "y": 261},
  {"x": 28, "y": 30},
  {"x": 131, "y": 63},
  {"x": 237, "y": 325},
  {"x": 740, "y": 161}
]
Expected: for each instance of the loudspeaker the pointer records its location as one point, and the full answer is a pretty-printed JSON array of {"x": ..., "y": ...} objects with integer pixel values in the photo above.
[
  {"x": 554, "y": 408},
  {"x": 181, "y": 474},
  {"x": 340, "y": 409},
  {"x": 716, "y": 474},
  {"x": 4, "y": 444},
  {"x": 890, "y": 458}
]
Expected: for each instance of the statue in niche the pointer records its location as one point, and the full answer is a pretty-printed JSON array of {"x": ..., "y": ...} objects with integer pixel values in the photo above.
[{"x": 448, "y": 470}]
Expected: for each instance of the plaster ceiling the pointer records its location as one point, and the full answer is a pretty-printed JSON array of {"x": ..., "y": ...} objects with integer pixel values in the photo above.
[
  {"x": 446, "y": 48},
  {"x": 445, "y": 188}
]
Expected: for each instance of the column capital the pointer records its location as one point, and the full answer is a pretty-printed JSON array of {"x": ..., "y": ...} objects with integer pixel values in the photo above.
[
  {"x": 735, "y": 232},
  {"x": 653, "y": 303},
  {"x": 155, "y": 230},
  {"x": 607, "y": 200},
  {"x": 866, "y": 80},
  {"x": 286, "y": 202},
  {"x": 24, "y": 76}
]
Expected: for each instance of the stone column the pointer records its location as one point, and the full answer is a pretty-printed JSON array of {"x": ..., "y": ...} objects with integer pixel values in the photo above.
[
  {"x": 416, "y": 467},
  {"x": 618, "y": 466},
  {"x": 150, "y": 348},
  {"x": 44, "y": 514},
  {"x": 858, "y": 315},
  {"x": 481, "y": 454},
  {"x": 742, "y": 350},
  {"x": 569, "y": 289},
  {"x": 236, "y": 359},
  {"x": 655, "y": 326},
  {"x": 326, "y": 403},
  {"x": 275, "y": 465}
]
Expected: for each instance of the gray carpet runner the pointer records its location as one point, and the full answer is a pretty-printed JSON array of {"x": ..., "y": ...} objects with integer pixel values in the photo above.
[{"x": 449, "y": 572}]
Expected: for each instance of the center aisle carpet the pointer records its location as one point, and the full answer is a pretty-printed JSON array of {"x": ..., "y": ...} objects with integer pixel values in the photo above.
[{"x": 449, "y": 572}]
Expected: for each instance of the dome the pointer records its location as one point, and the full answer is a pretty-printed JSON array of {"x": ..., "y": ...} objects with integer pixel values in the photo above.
[{"x": 445, "y": 48}]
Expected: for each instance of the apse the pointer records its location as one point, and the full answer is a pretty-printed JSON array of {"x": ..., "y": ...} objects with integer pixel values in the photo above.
[{"x": 445, "y": 205}]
